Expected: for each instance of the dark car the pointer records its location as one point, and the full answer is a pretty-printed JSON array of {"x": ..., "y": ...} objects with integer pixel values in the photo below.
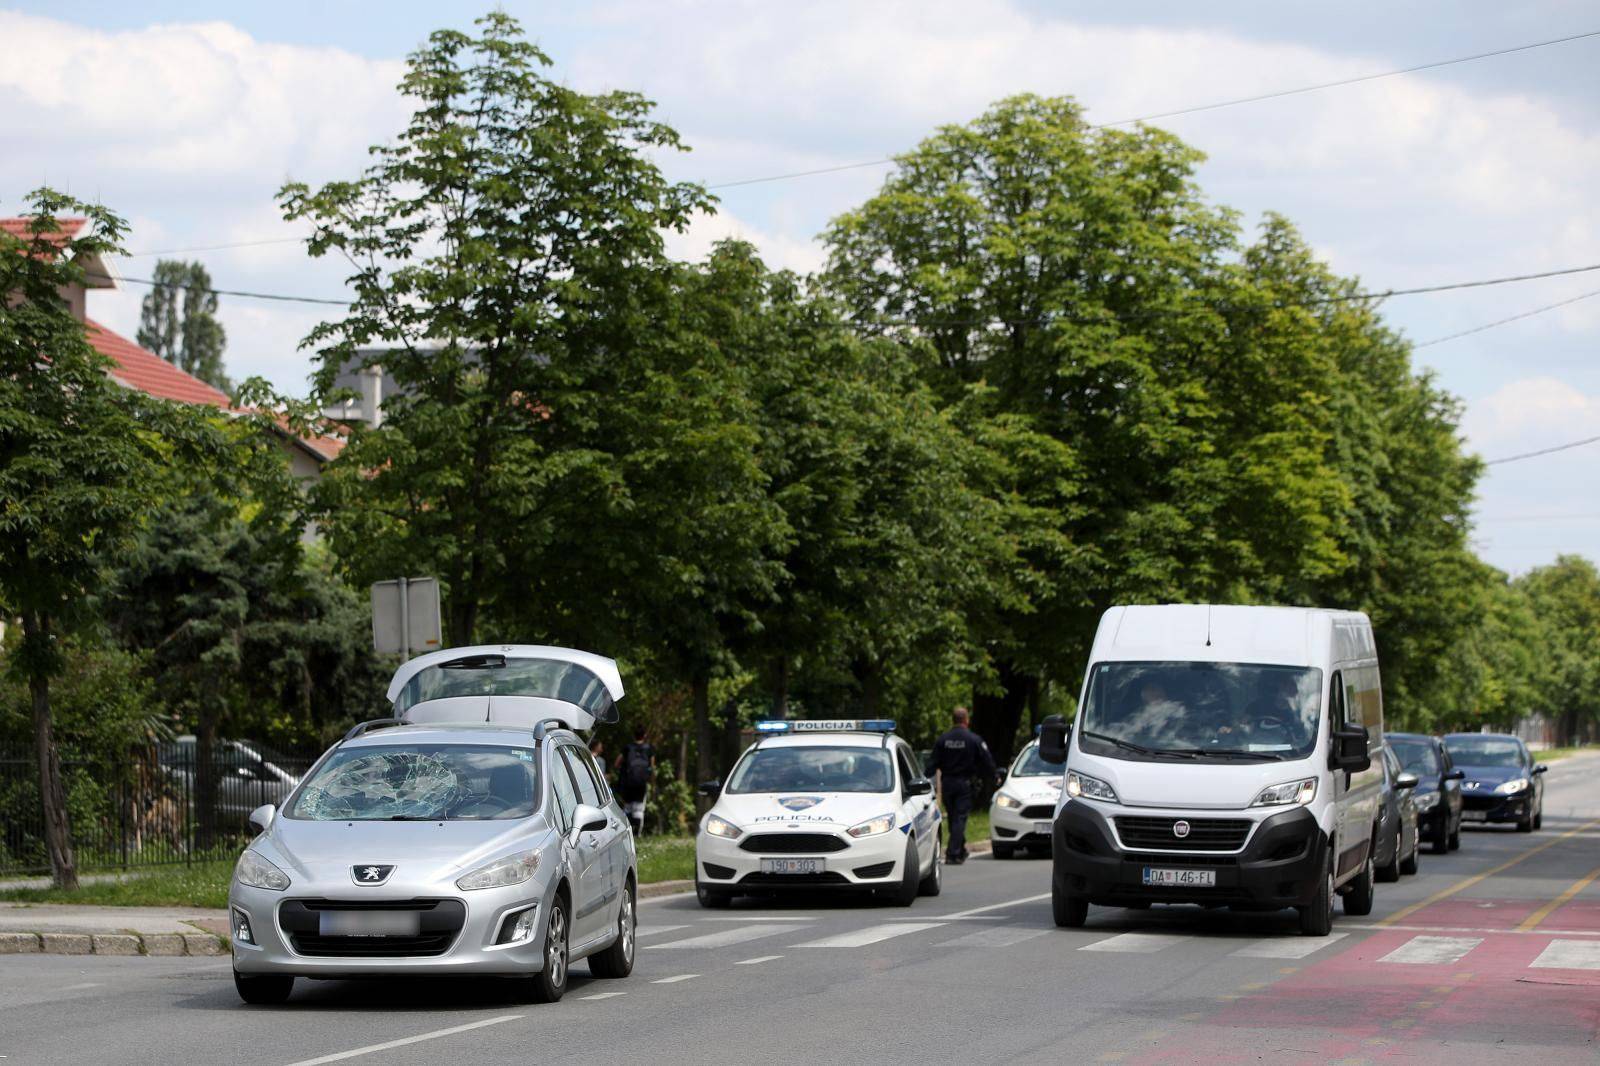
[
  {"x": 1502, "y": 783},
  {"x": 1398, "y": 838},
  {"x": 1438, "y": 791}
]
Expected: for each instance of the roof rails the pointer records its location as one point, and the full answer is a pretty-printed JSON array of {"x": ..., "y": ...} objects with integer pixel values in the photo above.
[{"x": 373, "y": 724}]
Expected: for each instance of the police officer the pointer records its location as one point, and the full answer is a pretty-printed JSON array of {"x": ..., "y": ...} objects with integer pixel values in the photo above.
[{"x": 959, "y": 756}]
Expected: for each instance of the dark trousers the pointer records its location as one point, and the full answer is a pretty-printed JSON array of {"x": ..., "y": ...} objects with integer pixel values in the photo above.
[{"x": 957, "y": 805}]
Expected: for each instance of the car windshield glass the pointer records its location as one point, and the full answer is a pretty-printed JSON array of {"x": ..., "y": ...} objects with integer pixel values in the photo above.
[
  {"x": 813, "y": 768},
  {"x": 425, "y": 782},
  {"x": 495, "y": 675},
  {"x": 1029, "y": 764},
  {"x": 1191, "y": 710},
  {"x": 1417, "y": 756},
  {"x": 1485, "y": 751}
]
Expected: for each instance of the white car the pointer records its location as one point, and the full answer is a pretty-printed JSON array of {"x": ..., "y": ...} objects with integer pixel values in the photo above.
[
  {"x": 1022, "y": 811},
  {"x": 821, "y": 806}
]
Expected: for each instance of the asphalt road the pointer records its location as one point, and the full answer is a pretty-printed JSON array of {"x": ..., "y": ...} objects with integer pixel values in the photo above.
[{"x": 1490, "y": 954}]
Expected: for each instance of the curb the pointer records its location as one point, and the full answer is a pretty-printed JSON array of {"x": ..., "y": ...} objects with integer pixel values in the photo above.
[{"x": 125, "y": 944}]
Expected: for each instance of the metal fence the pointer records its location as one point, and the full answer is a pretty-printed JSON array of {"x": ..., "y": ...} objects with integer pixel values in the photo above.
[{"x": 152, "y": 805}]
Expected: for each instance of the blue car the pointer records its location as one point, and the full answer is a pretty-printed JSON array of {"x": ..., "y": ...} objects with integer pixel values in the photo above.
[
  {"x": 1438, "y": 791},
  {"x": 1502, "y": 782}
]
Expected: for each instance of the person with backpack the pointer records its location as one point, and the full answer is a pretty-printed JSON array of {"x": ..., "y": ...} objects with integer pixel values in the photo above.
[{"x": 635, "y": 766}]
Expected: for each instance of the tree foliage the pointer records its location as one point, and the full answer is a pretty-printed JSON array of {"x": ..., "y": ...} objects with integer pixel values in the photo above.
[{"x": 178, "y": 322}]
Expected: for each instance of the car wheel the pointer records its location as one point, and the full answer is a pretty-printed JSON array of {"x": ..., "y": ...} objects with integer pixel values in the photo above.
[
  {"x": 1525, "y": 823},
  {"x": 906, "y": 894},
  {"x": 264, "y": 990},
  {"x": 1409, "y": 866},
  {"x": 550, "y": 983},
  {"x": 1004, "y": 851},
  {"x": 1538, "y": 817},
  {"x": 1069, "y": 911},
  {"x": 1358, "y": 900},
  {"x": 933, "y": 884},
  {"x": 1316, "y": 917},
  {"x": 1455, "y": 837},
  {"x": 1390, "y": 871},
  {"x": 712, "y": 898},
  {"x": 617, "y": 960},
  {"x": 1441, "y": 836}
]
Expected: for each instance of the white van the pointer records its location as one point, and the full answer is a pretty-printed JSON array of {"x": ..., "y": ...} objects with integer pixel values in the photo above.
[{"x": 1222, "y": 755}]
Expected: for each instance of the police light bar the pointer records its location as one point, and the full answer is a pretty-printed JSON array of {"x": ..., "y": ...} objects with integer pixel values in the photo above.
[{"x": 829, "y": 725}]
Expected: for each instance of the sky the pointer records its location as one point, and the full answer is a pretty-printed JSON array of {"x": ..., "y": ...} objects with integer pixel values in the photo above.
[{"x": 186, "y": 118}]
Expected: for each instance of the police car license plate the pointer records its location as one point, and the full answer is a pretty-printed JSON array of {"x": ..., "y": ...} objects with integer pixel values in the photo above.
[
  {"x": 1043, "y": 827},
  {"x": 1154, "y": 875},
  {"x": 1474, "y": 816},
  {"x": 369, "y": 923},
  {"x": 793, "y": 866}
]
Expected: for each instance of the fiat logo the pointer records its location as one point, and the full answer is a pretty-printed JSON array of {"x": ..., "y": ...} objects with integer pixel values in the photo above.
[{"x": 1180, "y": 829}]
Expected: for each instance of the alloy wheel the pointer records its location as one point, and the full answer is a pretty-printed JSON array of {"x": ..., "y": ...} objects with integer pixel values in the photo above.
[
  {"x": 625, "y": 926},
  {"x": 555, "y": 947}
]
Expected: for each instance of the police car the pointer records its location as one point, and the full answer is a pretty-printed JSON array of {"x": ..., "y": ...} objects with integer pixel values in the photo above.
[
  {"x": 820, "y": 805},
  {"x": 1023, "y": 810}
]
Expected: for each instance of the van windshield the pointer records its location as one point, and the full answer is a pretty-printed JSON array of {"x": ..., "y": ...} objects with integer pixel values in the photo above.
[{"x": 1222, "y": 711}]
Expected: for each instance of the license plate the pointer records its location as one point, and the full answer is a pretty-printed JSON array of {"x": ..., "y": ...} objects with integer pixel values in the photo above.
[
  {"x": 370, "y": 923},
  {"x": 793, "y": 866},
  {"x": 1042, "y": 827},
  {"x": 1474, "y": 816},
  {"x": 1154, "y": 875}
]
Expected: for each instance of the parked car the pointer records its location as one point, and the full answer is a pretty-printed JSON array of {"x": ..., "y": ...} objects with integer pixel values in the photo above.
[
  {"x": 1438, "y": 791},
  {"x": 1398, "y": 838},
  {"x": 1023, "y": 808},
  {"x": 247, "y": 776},
  {"x": 1502, "y": 783}
]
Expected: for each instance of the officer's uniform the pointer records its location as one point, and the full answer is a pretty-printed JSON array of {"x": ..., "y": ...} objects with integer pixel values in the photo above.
[{"x": 959, "y": 756}]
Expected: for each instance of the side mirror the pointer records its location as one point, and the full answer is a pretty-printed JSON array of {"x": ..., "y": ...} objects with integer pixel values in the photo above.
[
  {"x": 262, "y": 816},
  {"x": 1053, "y": 740},
  {"x": 710, "y": 788},
  {"x": 1456, "y": 775},
  {"x": 1406, "y": 781},
  {"x": 919, "y": 786},
  {"x": 1541, "y": 768},
  {"x": 589, "y": 819},
  {"x": 1350, "y": 750}
]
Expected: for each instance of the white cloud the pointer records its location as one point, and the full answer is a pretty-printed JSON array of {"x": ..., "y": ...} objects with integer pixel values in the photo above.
[{"x": 779, "y": 252}]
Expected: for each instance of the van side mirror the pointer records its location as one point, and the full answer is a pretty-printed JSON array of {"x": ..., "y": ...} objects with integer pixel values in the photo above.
[
  {"x": 1406, "y": 781},
  {"x": 1350, "y": 750},
  {"x": 1053, "y": 740},
  {"x": 919, "y": 786},
  {"x": 710, "y": 788},
  {"x": 262, "y": 816}
]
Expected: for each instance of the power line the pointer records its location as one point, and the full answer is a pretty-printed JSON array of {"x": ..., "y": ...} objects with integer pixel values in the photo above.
[
  {"x": 1504, "y": 321},
  {"x": 1542, "y": 451},
  {"x": 1275, "y": 95},
  {"x": 229, "y": 292},
  {"x": 211, "y": 247}
]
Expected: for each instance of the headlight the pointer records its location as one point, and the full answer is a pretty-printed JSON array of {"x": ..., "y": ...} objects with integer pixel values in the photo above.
[
  {"x": 511, "y": 870},
  {"x": 1508, "y": 788},
  {"x": 873, "y": 826},
  {"x": 721, "y": 827},
  {"x": 1089, "y": 787},
  {"x": 1427, "y": 801},
  {"x": 1009, "y": 802},
  {"x": 1301, "y": 792},
  {"x": 257, "y": 872}
]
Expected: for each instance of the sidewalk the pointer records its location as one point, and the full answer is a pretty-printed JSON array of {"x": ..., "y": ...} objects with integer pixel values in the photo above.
[{"x": 68, "y": 929}]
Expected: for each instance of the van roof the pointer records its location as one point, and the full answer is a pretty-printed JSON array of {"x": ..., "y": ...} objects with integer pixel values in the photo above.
[{"x": 1288, "y": 636}]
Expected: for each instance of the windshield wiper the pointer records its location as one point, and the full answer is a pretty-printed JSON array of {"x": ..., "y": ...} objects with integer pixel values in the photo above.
[
  {"x": 1137, "y": 749},
  {"x": 1235, "y": 753},
  {"x": 413, "y": 818}
]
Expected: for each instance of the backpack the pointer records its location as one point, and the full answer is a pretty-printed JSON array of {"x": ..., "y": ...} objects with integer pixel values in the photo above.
[{"x": 636, "y": 767}]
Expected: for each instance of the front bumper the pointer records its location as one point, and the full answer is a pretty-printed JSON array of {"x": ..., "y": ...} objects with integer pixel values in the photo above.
[
  {"x": 1018, "y": 826},
  {"x": 1493, "y": 807},
  {"x": 868, "y": 862},
  {"x": 1280, "y": 864},
  {"x": 283, "y": 927}
]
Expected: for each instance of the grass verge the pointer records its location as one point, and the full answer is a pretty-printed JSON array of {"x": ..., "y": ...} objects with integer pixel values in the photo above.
[{"x": 1552, "y": 754}]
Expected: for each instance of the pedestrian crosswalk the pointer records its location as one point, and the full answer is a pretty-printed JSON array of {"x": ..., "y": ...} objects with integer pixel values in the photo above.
[{"x": 1432, "y": 950}]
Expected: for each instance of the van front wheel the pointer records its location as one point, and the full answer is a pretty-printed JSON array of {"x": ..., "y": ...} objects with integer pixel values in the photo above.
[
  {"x": 1316, "y": 917},
  {"x": 1069, "y": 911}
]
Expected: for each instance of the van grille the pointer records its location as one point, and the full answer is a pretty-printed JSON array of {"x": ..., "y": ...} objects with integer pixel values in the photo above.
[{"x": 1205, "y": 834}]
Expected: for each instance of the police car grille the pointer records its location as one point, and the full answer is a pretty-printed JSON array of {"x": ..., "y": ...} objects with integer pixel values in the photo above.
[
  {"x": 793, "y": 843},
  {"x": 1205, "y": 834},
  {"x": 1040, "y": 810}
]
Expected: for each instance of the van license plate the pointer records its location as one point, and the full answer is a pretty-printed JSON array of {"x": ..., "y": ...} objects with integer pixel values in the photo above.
[
  {"x": 793, "y": 866},
  {"x": 1154, "y": 875}
]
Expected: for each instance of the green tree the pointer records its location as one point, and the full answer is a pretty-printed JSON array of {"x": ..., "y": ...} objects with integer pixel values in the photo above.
[
  {"x": 178, "y": 321},
  {"x": 1565, "y": 597}
]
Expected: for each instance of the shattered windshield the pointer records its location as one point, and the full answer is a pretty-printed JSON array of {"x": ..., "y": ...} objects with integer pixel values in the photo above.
[{"x": 434, "y": 782}]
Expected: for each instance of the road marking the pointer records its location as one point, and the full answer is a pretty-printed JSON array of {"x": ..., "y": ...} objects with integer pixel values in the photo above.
[
  {"x": 657, "y": 929},
  {"x": 723, "y": 938},
  {"x": 1533, "y": 920},
  {"x": 419, "y": 1038},
  {"x": 763, "y": 918},
  {"x": 860, "y": 938},
  {"x": 994, "y": 906},
  {"x": 1135, "y": 943},
  {"x": 1001, "y": 937},
  {"x": 86, "y": 984},
  {"x": 1569, "y": 955},
  {"x": 603, "y": 995},
  {"x": 1434, "y": 950},
  {"x": 758, "y": 958},
  {"x": 675, "y": 979},
  {"x": 1471, "y": 929},
  {"x": 1467, "y": 882},
  {"x": 1287, "y": 947}
]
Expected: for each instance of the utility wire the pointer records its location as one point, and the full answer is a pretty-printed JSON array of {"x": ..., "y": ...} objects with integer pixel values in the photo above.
[
  {"x": 1275, "y": 95},
  {"x": 1542, "y": 451},
  {"x": 1504, "y": 321},
  {"x": 227, "y": 292},
  {"x": 211, "y": 247}
]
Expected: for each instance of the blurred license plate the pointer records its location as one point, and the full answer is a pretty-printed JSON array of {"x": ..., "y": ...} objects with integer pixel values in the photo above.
[
  {"x": 370, "y": 923},
  {"x": 1042, "y": 827},
  {"x": 1154, "y": 875},
  {"x": 793, "y": 866},
  {"x": 1474, "y": 816}
]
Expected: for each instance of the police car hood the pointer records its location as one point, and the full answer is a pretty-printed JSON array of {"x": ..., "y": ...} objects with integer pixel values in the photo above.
[{"x": 782, "y": 811}]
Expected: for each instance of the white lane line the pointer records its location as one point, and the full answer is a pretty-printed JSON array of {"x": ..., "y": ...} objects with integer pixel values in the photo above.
[
  {"x": 1001, "y": 937},
  {"x": 1287, "y": 947},
  {"x": 675, "y": 979},
  {"x": 860, "y": 938},
  {"x": 657, "y": 929},
  {"x": 1434, "y": 950},
  {"x": 758, "y": 958},
  {"x": 723, "y": 938},
  {"x": 995, "y": 906},
  {"x": 1136, "y": 943},
  {"x": 419, "y": 1038},
  {"x": 1569, "y": 955},
  {"x": 603, "y": 995},
  {"x": 1541, "y": 931},
  {"x": 86, "y": 984},
  {"x": 763, "y": 918}
]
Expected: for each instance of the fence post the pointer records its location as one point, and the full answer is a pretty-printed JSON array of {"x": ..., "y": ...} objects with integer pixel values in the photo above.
[{"x": 126, "y": 800}]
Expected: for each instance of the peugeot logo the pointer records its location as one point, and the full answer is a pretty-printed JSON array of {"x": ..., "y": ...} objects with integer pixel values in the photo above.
[
  {"x": 1180, "y": 829},
  {"x": 371, "y": 874}
]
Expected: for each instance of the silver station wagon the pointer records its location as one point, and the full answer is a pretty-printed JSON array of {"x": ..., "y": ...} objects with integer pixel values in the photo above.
[{"x": 471, "y": 834}]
